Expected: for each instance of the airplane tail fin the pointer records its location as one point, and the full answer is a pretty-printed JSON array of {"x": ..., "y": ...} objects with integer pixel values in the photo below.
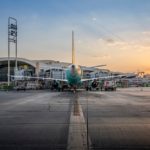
[{"x": 73, "y": 49}]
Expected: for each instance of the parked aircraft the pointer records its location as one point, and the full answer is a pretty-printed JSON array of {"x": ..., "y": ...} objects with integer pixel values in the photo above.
[{"x": 73, "y": 73}]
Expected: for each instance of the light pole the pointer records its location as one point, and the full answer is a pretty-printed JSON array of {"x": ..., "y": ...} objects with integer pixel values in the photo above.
[
  {"x": 140, "y": 74},
  {"x": 87, "y": 124},
  {"x": 12, "y": 37}
]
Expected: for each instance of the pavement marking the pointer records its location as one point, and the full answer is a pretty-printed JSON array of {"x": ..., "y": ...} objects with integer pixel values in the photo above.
[{"x": 77, "y": 138}]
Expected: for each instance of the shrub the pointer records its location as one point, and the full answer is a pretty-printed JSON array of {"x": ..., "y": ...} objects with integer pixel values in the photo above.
[{"x": 6, "y": 87}]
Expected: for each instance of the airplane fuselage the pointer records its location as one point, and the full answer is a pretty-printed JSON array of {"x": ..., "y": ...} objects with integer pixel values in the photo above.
[{"x": 73, "y": 75}]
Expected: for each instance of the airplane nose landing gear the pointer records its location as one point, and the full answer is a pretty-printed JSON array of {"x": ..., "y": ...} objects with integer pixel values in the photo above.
[{"x": 74, "y": 89}]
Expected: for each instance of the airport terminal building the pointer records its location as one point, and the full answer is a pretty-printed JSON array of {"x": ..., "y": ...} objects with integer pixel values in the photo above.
[
  {"x": 22, "y": 63},
  {"x": 57, "y": 70},
  {"x": 43, "y": 68}
]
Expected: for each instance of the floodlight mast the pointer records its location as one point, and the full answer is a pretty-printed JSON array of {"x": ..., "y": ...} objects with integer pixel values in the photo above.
[{"x": 12, "y": 37}]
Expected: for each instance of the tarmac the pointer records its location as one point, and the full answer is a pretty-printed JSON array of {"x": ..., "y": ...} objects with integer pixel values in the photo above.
[{"x": 44, "y": 120}]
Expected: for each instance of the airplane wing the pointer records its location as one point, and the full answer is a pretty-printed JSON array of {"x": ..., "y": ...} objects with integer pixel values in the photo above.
[
  {"x": 107, "y": 77},
  {"x": 92, "y": 67},
  {"x": 42, "y": 78},
  {"x": 53, "y": 79},
  {"x": 97, "y": 66}
]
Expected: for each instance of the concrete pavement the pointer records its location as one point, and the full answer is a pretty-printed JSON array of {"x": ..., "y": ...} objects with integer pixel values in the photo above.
[{"x": 42, "y": 120}]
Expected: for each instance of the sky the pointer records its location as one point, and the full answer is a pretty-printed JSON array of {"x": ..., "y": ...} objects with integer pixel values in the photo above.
[{"x": 112, "y": 32}]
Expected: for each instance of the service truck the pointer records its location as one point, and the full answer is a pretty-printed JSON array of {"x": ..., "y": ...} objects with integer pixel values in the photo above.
[{"x": 109, "y": 85}]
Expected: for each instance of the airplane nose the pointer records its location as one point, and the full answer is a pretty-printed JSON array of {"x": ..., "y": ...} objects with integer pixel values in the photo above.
[
  {"x": 73, "y": 69},
  {"x": 73, "y": 66}
]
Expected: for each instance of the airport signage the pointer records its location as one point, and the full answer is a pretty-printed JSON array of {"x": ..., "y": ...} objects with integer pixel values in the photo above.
[{"x": 12, "y": 30}]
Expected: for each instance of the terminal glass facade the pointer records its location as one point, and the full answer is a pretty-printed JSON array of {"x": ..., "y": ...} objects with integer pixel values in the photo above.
[{"x": 21, "y": 65}]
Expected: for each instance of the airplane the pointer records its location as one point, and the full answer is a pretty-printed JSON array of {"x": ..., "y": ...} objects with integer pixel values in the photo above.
[{"x": 73, "y": 73}]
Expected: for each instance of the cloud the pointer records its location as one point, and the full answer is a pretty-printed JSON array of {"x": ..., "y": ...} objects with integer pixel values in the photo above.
[
  {"x": 147, "y": 33},
  {"x": 105, "y": 56},
  {"x": 94, "y": 19},
  {"x": 109, "y": 40}
]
